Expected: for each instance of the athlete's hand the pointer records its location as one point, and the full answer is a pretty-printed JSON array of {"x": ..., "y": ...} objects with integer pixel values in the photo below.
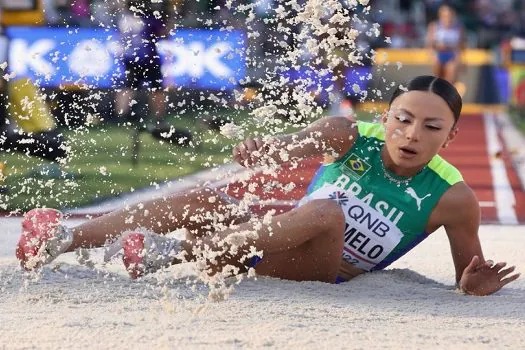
[
  {"x": 250, "y": 151},
  {"x": 485, "y": 278}
]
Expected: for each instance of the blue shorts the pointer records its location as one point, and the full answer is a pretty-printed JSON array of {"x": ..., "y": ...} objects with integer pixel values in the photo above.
[
  {"x": 445, "y": 56},
  {"x": 253, "y": 261}
]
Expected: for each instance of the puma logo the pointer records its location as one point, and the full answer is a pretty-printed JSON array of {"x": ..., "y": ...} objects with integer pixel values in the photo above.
[{"x": 410, "y": 191}]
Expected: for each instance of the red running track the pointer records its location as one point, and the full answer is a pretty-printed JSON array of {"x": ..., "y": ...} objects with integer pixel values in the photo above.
[
  {"x": 482, "y": 157},
  {"x": 478, "y": 152}
]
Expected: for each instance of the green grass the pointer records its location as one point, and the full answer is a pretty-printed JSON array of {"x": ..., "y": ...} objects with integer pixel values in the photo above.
[{"x": 100, "y": 160}]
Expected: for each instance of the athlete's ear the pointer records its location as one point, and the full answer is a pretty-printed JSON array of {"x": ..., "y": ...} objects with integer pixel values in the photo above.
[
  {"x": 451, "y": 136},
  {"x": 384, "y": 116}
]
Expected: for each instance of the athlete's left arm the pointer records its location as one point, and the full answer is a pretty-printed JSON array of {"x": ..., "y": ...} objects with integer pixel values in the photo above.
[
  {"x": 460, "y": 214},
  {"x": 463, "y": 40}
]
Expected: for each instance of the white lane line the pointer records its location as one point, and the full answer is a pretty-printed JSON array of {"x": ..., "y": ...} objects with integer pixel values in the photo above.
[
  {"x": 515, "y": 142},
  {"x": 503, "y": 193},
  {"x": 208, "y": 177}
]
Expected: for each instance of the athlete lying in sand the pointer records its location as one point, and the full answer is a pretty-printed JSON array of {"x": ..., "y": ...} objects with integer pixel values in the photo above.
[{"x": 385, "y": 191}]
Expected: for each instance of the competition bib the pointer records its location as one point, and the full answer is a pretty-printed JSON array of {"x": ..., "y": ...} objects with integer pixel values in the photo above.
[{"x": 369, "y": 236}]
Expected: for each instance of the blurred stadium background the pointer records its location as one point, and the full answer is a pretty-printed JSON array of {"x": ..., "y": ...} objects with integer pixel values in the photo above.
[{"x": 63, "y": 62}]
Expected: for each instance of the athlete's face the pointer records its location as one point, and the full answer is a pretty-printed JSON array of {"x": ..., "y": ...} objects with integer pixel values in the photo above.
[
  {"x": 418, "y": 125},
  {"x": 446, "y": 16}
]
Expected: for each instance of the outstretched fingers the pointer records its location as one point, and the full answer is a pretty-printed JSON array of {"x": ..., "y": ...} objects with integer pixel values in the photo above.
[
  {"x": 505, "y": 272},
  {"x": 502, "y": 273},
  {"x": 250, "y": 145},
  {"x": 259, "y": 144},
  {"x": 245, "y": 153},
  {"x": 509, "y": 279},
  {"x": 499, "y": 266},
  {"x": 489, "y": 263},
  {"x": 243, "y": 149}
]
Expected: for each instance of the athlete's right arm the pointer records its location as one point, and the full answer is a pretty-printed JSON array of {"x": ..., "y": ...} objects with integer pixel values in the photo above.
[
  {"x": 332, "y": 135},
  {"x": 429, "y": 40},
  {"x": 458, "y": 211}
]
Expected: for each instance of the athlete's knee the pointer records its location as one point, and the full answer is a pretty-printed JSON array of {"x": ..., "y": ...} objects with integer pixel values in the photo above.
[
  {"x": 194, "y": 196},
  {"x": 327, "y": 213},
  {"x": 212, "y": 195}
]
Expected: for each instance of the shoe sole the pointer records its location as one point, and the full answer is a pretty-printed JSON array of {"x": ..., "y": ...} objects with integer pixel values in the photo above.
[
  {"x": 133, "y": 246},
  {"x": 34, "y": 223}
]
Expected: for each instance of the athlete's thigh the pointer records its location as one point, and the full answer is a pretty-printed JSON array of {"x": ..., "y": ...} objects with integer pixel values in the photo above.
[
  {"x": 231, "y": 206},
  {"x": 437, "y": 69},
  {"x": 317, "y": 260},
  {"x": 450, "y": 70},
  {"x": 210, "y": 208}
]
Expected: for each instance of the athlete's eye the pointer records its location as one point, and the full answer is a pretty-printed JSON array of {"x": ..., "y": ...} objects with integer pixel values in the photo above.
[
  {"x": 403, "y": 118},
  {"x": 433, "y": 127}
]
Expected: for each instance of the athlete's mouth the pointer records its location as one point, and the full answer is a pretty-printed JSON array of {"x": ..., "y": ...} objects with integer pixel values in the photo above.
[{"x": 408, "y": 150}]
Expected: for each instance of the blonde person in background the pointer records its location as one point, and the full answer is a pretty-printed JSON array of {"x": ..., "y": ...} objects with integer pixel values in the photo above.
[{"x": 445, "y": 37}]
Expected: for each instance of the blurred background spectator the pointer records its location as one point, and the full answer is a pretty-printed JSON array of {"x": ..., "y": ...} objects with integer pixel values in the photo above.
[
  {"x": 141, "y": 26},
  {"x": 446, "y": 37}
]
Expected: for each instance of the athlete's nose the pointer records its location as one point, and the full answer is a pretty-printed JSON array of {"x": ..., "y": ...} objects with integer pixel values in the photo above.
[{"x": 413, "y": 132}]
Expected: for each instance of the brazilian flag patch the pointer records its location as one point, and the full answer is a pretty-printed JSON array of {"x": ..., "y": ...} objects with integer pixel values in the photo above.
[{"x": 355, "y": 166}]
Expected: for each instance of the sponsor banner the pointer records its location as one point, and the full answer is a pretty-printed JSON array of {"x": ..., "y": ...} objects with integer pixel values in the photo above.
[
  {"x": 53, "y": 57},
  {"x": 209, "y": 59},
  {"x": 357, "y": 81}
]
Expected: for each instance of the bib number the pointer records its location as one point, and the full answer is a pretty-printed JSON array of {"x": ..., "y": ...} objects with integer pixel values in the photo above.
[{"x": 369, "y": 236}]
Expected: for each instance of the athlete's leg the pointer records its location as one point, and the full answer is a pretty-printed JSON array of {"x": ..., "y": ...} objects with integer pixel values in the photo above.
[
  {"x": 316, "y": 260},
  {"x": 157, "y": 100},
  {"x": 199, "y": 211},
  {"x": 127, "y": 92},
  {"x": 450, "y": 70},
  {"x": 437, "y": 67},
  {"x": 302, "y": 244},
  {"x": 122, "y": 102}
]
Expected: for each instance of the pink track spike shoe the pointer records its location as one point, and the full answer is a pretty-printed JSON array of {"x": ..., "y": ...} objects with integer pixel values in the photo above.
[
  {"x": 147, "y": 252},
  {"x": 43, "y": 238}
]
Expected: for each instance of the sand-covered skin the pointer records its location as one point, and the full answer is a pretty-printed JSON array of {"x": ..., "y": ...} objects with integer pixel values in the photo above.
[{"x": 412, "y": 305}]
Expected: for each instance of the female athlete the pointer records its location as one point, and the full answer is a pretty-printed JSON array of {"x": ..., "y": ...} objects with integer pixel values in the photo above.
[{"x": 386, "y": 191}]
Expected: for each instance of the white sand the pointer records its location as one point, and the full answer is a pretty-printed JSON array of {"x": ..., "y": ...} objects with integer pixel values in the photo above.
[{"x": 412, "y": 305}]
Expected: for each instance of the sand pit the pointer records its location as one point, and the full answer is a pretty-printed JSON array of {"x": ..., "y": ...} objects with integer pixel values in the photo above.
[{"x": 411, "y": 305}]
